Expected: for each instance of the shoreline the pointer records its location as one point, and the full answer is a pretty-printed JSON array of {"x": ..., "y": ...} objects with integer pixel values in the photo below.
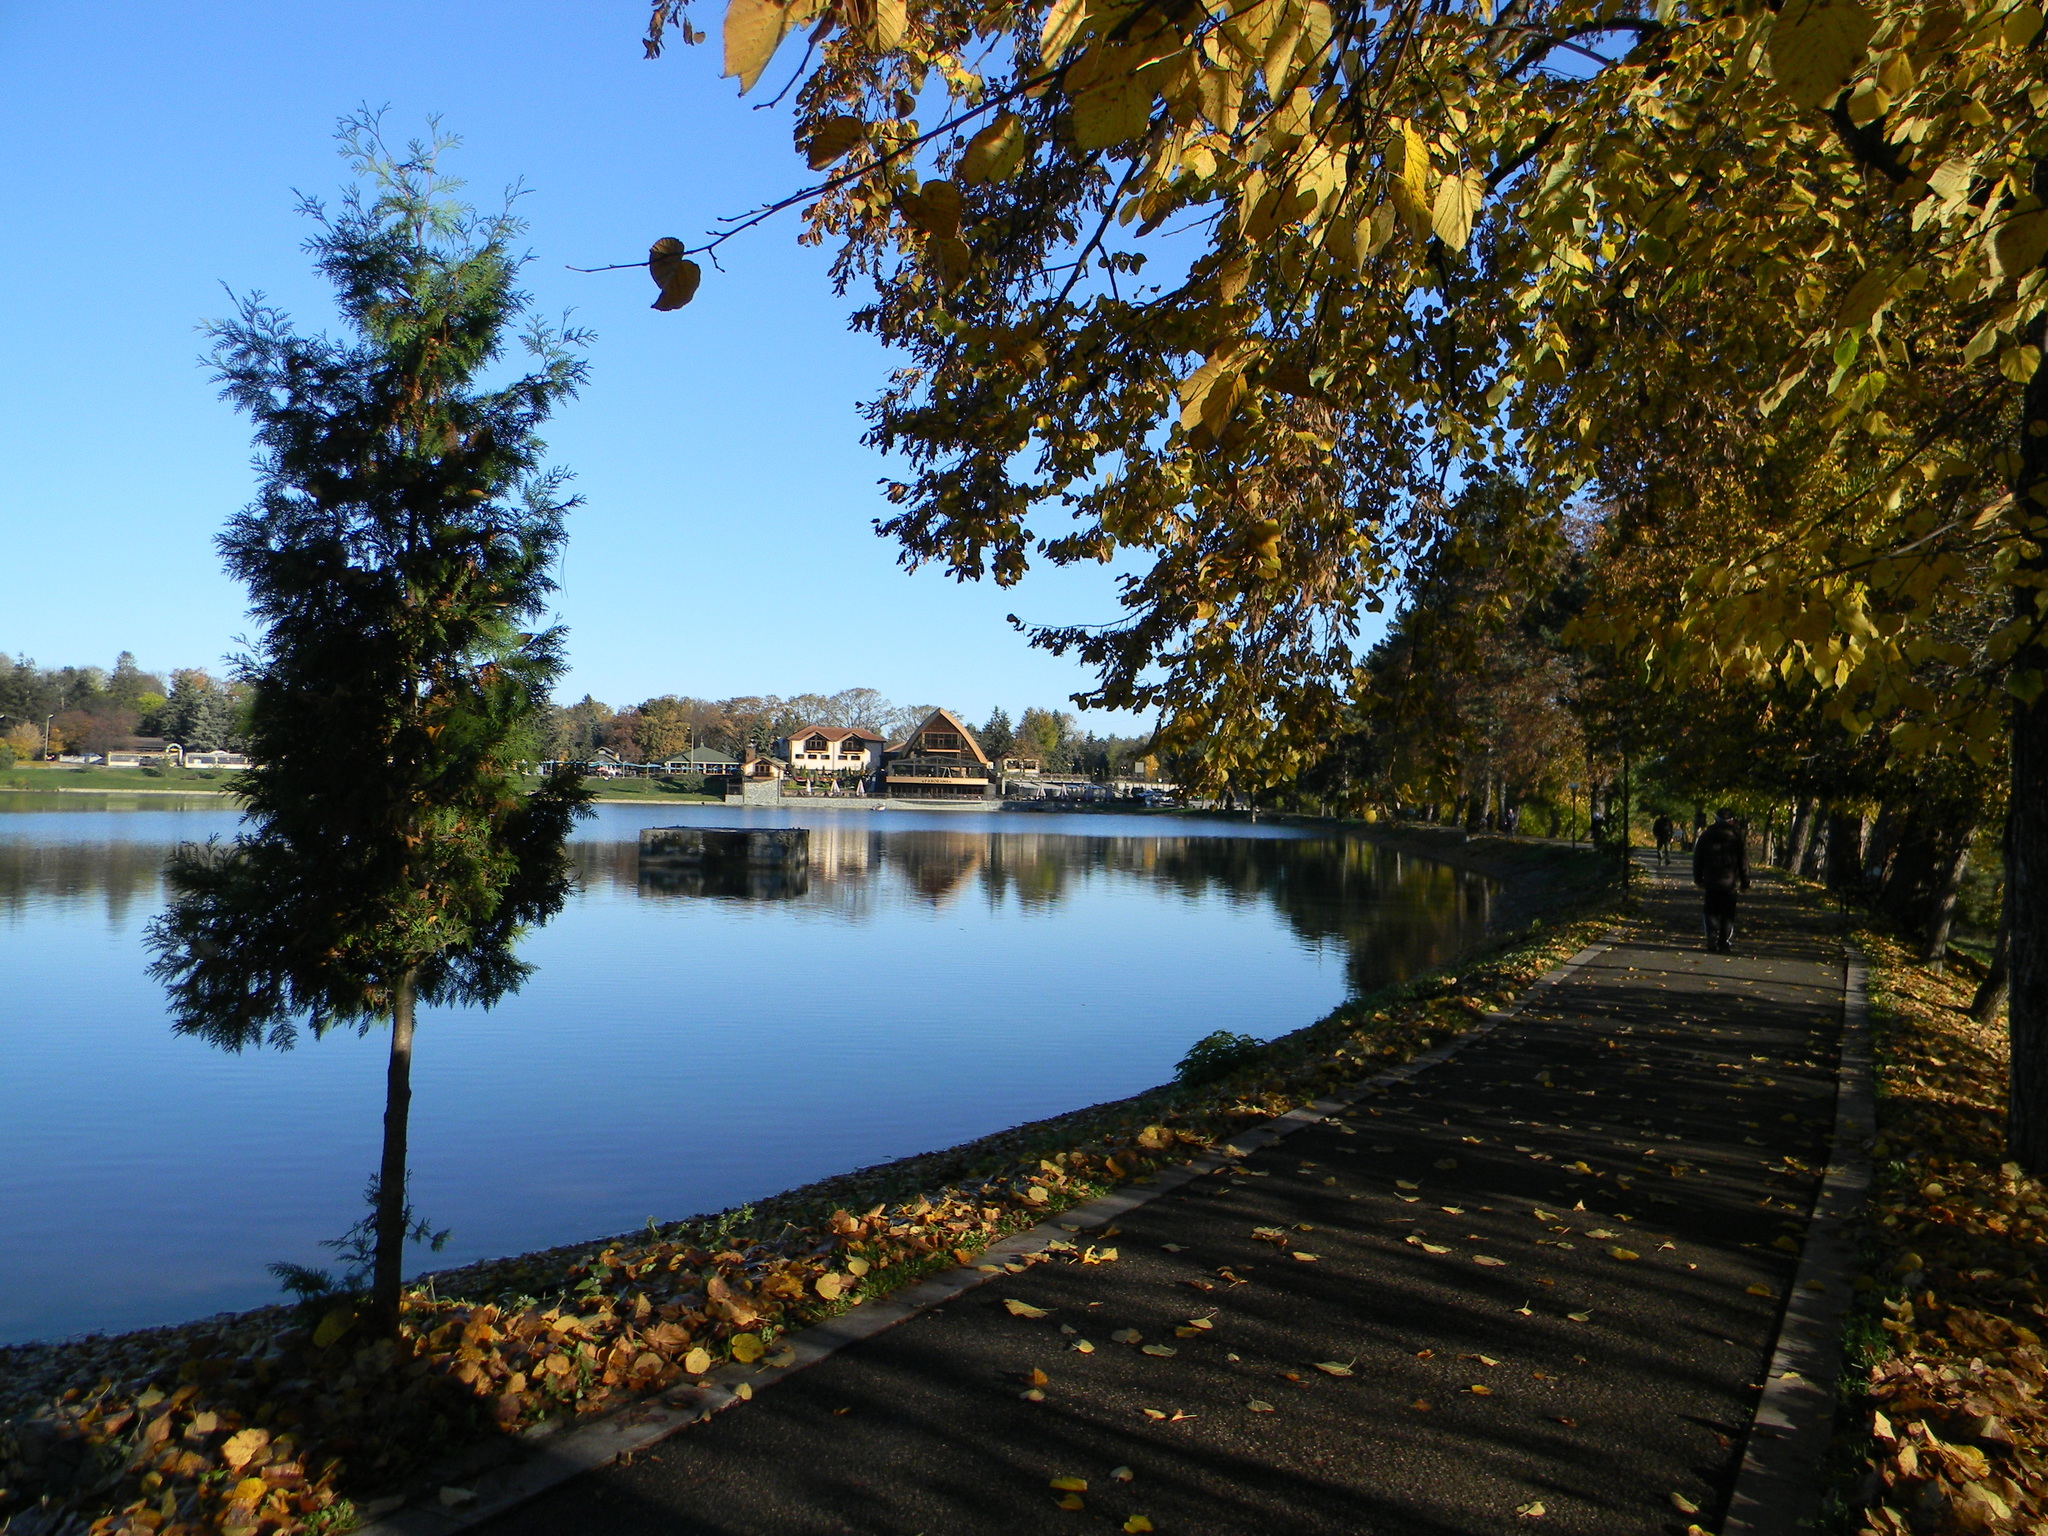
[{"x": 1546, "y": 895}]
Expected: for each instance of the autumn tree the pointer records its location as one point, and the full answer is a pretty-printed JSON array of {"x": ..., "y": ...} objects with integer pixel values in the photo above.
[{"x": 397, "y": 549}]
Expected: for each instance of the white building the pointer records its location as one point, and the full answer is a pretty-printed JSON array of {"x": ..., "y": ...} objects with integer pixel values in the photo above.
[{"x": 832, "y": 749}]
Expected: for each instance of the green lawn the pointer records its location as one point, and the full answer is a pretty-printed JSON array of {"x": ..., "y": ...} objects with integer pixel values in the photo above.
[
  {"x": 48, "y": 779},
  {"x": 644, "y": 789}
]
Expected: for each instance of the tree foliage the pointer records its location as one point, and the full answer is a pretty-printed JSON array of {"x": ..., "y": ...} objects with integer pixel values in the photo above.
[{"x": 400, "y": 539}]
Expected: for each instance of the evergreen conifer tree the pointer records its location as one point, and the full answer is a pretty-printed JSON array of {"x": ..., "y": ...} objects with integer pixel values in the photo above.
[{"x": 399, "y": 542}]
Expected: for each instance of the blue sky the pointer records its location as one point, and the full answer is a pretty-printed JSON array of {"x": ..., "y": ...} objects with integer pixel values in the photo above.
[{"x": 726, "y": 544}]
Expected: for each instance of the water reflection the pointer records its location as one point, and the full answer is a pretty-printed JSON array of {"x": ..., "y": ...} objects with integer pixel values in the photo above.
[
  {"x": 686, "y": 1042},
  {"x": 1395, "y": 915}
]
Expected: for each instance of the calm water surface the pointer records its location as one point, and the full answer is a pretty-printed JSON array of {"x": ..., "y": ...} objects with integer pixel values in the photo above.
[{"x": 938, "y": 976}]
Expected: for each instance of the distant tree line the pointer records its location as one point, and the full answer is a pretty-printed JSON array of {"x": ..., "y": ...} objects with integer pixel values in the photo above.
[
  {"x": 668, "y": 726},
  {"x": 90, "y": 709}
]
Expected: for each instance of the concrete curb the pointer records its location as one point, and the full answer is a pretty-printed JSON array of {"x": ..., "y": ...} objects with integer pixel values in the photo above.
[
  {"x": 1779, "y": 1488},
  {"x": 586, "y": 1447}
]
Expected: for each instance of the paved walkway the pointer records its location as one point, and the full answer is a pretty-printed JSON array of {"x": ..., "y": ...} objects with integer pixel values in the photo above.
[{"x": 1552, "y": 1267}]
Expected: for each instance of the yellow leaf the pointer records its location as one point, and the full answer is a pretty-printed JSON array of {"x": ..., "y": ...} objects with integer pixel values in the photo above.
[
  {"x": 892, "y": 20},
  {"x": 747, "y": 1348},
  {"x": 1071, "y": 1484},
  {"x": 249, "y": 1490},
  {"x": 1121, "y": 1474},
  {"x": 1333, "y": 1368},
  {"x": 1457, "y": 205},
  {"x": 1624, "y": 1253},
  {"x": 1580, "y": 1317},
  {"x": 829, "y": 1285},
  {"x": 243, "y": 1447},
  {"x": 1112, "y": 113},
  {"x": 1137, "y": 1523},
  {"x": 1684, "y": 1505},
  {"x": 1024, "y": 1308},
  {"x": 744, "y": 1392},
  {"x": 1072, "y": 1501},
  {"x": 1259, "y": 1405},
  {"x": 697, "y": 1361},
  {"x": 831, "y": 139},
  {"x": 1163, "y": 1351},
  {"x": 994, "y": 153},
  {"x": 1480, "y": 1389},
  {"x": 1062, "y": 24},
  {"x": 2022, "y": 241},
  {"x": 673, "y": 273},
  {"x": 753, "y": 29},
  {"x": 1759, "y": 1290},
  {"x": 333, "y": 1326},
  {"x": 857, "y": 1266},
  {"x": 1817, "y": 46}
]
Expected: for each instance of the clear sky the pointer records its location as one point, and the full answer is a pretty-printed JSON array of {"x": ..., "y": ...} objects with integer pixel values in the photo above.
[{"x": 726, "y": 545}]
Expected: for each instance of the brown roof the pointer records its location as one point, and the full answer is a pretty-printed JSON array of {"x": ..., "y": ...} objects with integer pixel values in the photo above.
[
  {"x": 834, "y": 733},
  {"x": 947, "y": 718}
]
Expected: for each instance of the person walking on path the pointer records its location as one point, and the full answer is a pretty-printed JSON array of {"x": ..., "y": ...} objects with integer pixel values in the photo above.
[
  {"x": 1720, "y": 866},
  {"x": 1664, "y": 829}
]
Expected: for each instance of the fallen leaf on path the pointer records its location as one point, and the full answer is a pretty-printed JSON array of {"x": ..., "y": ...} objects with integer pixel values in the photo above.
[
  {"x": 1480, "y": 1389},
  {"x": 1260, "y": 1405},
  {"x": 1071, "y": 1484},
  {"x": 1024, "y": 1308},
  {"x": 1580, "y": 1317},
  {"x": 1121, "y": 1474},
  {"x": 744, "y": 1392},
  {"x": 1489, "y": 1260},
  {"x": 1171, "y": 1247},
  {"x": 1420, "y": 1405},
  {"x": 1162, "y": 1351},
  {"x": 1127, "y": 1336},
  {"x": 747, "y": 1348},
  {"x": 1071, "y": 1501},
  {"x": 243, "y": 1447},
  {"x": 1758, "y": 1290},
  {"x": 1684, "y": 1505},
  {"x": 1083, "y": 1347},
  {"x": 1034, "y": 1395},
  {"x": 1136, "y": 1524},
  {"x": 1035, "y": 1377},
  {"x": 697, "y": 1361},
  {"x": 1533, "y": 1510},
  {"x": 1404, "y": 1184},
  {"x": 1335, "y": 1368},
  {"x": 1623, "y": 1254},
  {"x": 1307, "y": 1258}
]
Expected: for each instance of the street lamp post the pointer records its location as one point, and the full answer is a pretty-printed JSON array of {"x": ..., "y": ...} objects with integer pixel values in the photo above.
[{"x": 46, "y": 736}]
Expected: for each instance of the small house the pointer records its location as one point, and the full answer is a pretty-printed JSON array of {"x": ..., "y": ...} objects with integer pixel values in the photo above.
[{"x": 832, "y": 749}]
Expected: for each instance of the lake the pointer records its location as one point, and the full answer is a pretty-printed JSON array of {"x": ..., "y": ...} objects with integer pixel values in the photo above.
[{"x": 939, "y": 975}]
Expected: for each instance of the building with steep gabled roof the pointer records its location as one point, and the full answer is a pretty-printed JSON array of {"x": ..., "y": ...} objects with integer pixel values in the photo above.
[{"x": 940, "y": 760}]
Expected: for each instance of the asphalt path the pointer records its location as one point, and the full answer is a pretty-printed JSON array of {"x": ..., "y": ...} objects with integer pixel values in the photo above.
[{"x": 1547, "y": 1272}]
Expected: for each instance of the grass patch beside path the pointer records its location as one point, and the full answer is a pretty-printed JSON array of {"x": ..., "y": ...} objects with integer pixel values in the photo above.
[
  {"x": 279, "y": 1421},
  {"x": 1945, "y": 1421},
  {"x": 183, "y": 781}
]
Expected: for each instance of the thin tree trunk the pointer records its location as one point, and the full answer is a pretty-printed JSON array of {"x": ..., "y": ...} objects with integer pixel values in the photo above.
[
  {"x": 389, "y": 1272},
  {"x": 1802, "y": 831},
  {"x": 1991, "y": 992},
  {"x": 1941, "y": 908},
  {"x": 1815, "y": 859},
  {"x": 2026, "y": 865}
]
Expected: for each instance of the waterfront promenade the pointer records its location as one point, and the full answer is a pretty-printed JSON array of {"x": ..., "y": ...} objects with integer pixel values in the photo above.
[{"x": 1534, "y": 1286}]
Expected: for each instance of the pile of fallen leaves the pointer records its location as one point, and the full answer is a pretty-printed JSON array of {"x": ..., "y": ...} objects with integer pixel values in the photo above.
[
  {"x": 281, "y": 1421},
  {"x": 1954, "y": 1402}
]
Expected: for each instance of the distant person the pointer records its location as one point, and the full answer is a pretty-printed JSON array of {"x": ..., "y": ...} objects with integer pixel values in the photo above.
[
  {"x": 1720, "y": 867},
  {"x": 1664, "y": 829},
  {"x": 1596, "y": 824}
]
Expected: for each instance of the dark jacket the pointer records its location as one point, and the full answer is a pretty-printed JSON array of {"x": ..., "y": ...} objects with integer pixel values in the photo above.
[
  {"x": 1720, "y": 859},
  {"x": 1664, "y": 829}
]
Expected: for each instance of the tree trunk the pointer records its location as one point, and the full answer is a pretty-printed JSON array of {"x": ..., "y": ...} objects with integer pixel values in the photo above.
[
  {"x": 1991, "y": 992},
  {"x": 389, "y": 1271},
  {"x": 1815, "y": 859},
  {"x": 2026, "y": 865},
  {"x": 1802, "y": 831},
  {"x": 1845, "y": 850},
  {"x": 1941, "y": 908},
  {"x": 1895, "y": 825}
]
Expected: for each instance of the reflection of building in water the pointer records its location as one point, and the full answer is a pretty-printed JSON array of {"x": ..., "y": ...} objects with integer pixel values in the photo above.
[
  {"x": 843, "y": 853},
  {"x": 1391, "y": 916},
  {"x": 120, "y": 874}
]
